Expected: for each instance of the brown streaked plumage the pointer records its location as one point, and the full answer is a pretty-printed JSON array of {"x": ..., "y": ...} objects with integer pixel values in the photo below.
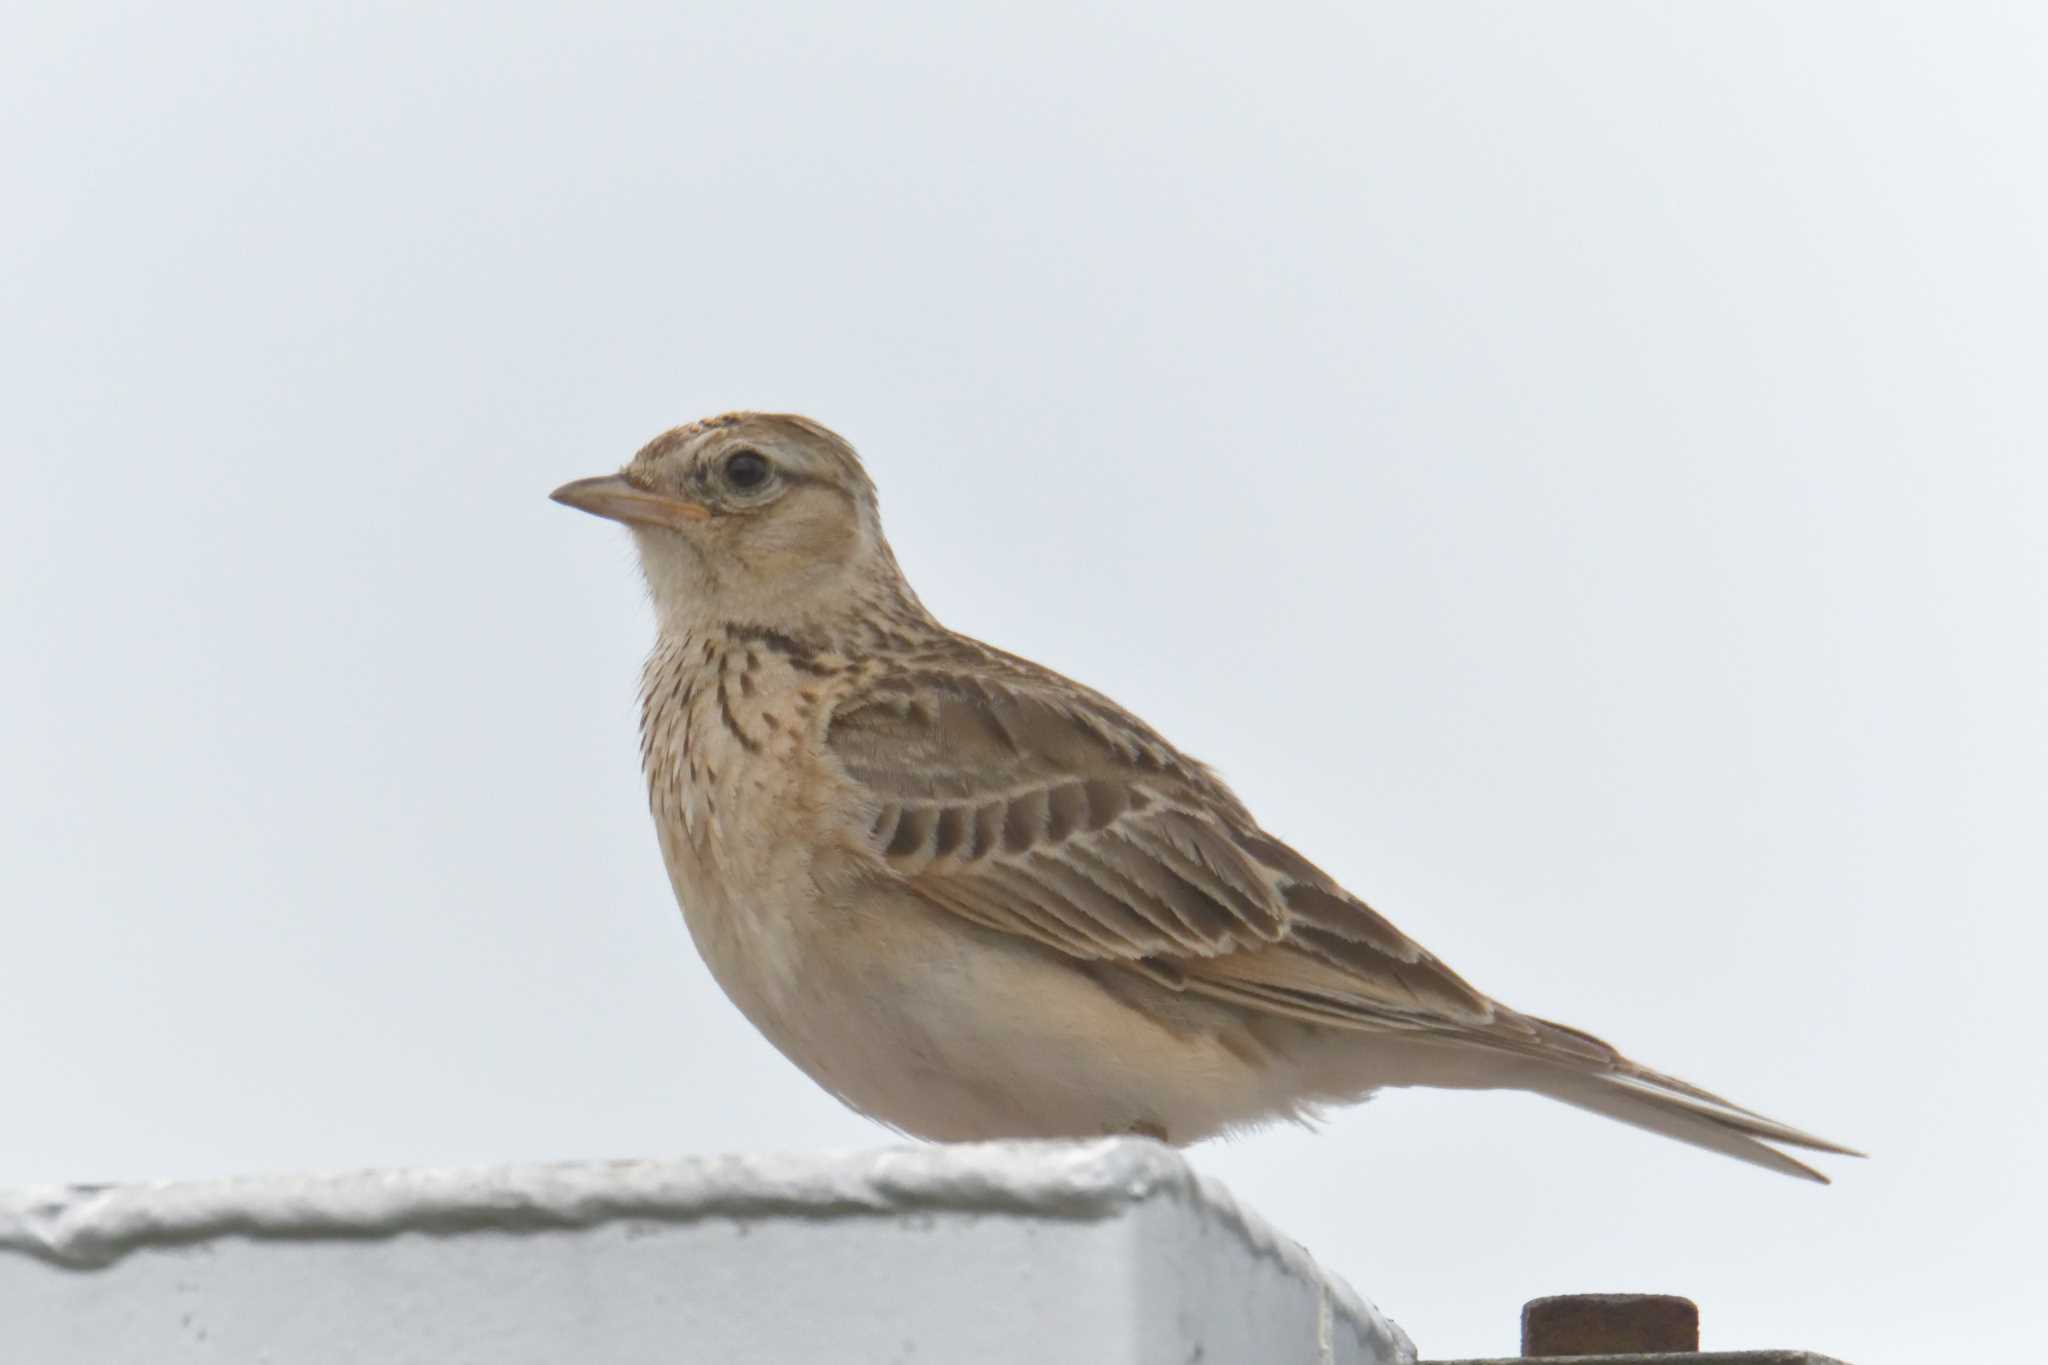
[{"x": 975, "y": 899}]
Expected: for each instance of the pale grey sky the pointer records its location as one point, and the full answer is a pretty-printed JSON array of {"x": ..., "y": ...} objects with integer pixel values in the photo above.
[{"x": 1578, "y": 470}]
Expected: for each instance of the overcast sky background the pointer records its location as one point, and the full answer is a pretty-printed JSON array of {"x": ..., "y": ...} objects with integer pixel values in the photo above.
[{"x": 1579, "y": 470}]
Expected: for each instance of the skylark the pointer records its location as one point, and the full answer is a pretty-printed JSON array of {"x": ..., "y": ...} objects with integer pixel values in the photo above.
[{"x": 975, "y": 899}]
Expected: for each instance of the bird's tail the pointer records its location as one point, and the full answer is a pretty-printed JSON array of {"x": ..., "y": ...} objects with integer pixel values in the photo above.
[{"x": 1648, "y": 1099}]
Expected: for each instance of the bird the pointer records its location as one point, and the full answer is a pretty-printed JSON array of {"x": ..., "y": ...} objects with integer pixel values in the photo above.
[{"x": 974, "y": 899}]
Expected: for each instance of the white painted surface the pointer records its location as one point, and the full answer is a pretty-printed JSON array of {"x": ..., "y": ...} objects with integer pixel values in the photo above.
[{"x": 1107, "y": 1251}]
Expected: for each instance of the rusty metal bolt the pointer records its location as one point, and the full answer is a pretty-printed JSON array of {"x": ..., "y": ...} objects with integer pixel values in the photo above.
[{"x": 1609, "y": 1324}]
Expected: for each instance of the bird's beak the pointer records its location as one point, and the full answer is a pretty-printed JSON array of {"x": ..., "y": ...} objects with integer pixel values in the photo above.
[{"x": 613, "y": 496}]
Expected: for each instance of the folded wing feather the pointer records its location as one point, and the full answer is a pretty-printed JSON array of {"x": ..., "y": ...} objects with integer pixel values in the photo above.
[{"x": 1055, "y": 817}]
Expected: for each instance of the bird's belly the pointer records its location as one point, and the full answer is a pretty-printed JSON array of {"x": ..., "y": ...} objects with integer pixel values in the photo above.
[{"x": 953, "y": 1033}]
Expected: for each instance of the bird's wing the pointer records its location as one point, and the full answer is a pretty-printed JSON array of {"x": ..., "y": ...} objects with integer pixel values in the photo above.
[
  {"x": 1035, "y": 808},
  {"x": 1045, "y": 811}
]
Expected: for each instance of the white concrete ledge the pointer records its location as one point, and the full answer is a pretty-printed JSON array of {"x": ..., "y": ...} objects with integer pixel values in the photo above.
[{"x": 1108, "y": 1251}]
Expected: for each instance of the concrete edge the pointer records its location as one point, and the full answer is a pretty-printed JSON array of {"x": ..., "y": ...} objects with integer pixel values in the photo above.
[{"x": 89, "y": 1227}]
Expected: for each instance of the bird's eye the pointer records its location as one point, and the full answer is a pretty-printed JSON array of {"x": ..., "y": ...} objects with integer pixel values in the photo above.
[{"x": 746, "y": 469}]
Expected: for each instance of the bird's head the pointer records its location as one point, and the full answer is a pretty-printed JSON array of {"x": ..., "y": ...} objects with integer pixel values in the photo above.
[{"x": 753, "y": 516}]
